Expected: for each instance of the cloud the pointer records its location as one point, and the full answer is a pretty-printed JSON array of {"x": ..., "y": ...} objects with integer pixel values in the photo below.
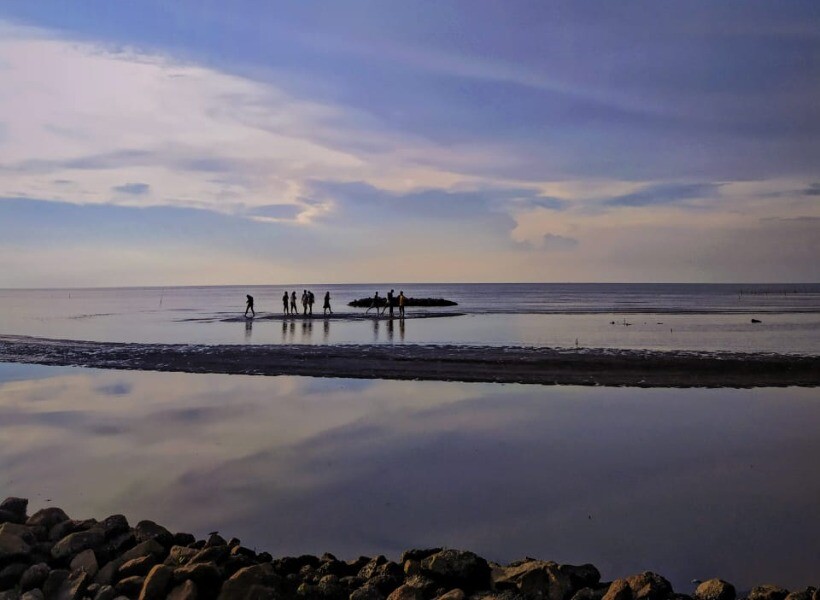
[
  {"x": 812, "y": 190},
  {"x": 666, "y": 193},
  {"x": 558, "y": 243},
  {"x": 136, "y": 189}
]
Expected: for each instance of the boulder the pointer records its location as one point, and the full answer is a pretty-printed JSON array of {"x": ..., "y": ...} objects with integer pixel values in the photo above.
[
  {"x": 206, "y": 575},
  {"x": 47, "y": 517},
  {"x": 581, "y": 576},
  {"x": 534, "y": 578},
  {"x": 715, "y": 589},
  {"x": 72, "y": 587},
  {"x": 10, "y": 595},
  {"x": 215, "y": 540},
  {"x": 137, "y": 566},
  {"x": 34, "y": 577},
  {"x": 144, "y": 549},
  {"x": 108, "y": 573},
  {"x": 649, "y": 586},
  {"x": 180, "y": 555},
  {"x": 114, "y": 525},
  {"x": 406, "y": 592},
  {"x": 809, "y": 593},
  {"x": 33, "y": 595},
  {"x": 455, "y": 594},
  {"x": 368, "y": 570},
  {"x": 618, "y": 590},
  {"x": 257, "y": 580},
  {"x": 22, "y": 531},
  {"x": 16, "y": 507},
  {"x": 148, "y": 530},
  {"x": 768, "y": 592},
  {"x": 589, "y": 593},
  {"x": 105, "y": 592},
  {"x": 87, "y": 561},
  {"x": 54, "y": 582},
  {"x": 61, "y": 530},
  {"x": 458, "y": 568},
  {"x": 156, "y": 583},
  {"x": 12, "y": 548},
  {"x": 417, "y": 554},
  {"x": 75, "y": 543},
  {"x": 10, "y": 575},
  {"x": 130, "y": 586},
  {"x": 215, "y": 554},
  {"x": 185, "y": 591},
  {"x": 367, "y": 592},
  {"x": 183, "y": 539}
]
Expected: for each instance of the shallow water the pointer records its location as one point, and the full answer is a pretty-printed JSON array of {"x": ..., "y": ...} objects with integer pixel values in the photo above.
[
  {"x": 671, "y": 317},
  {"x": 689, "y": 483}
]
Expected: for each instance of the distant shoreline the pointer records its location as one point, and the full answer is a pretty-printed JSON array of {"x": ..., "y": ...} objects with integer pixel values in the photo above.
[{"x": 527, "y": 365}]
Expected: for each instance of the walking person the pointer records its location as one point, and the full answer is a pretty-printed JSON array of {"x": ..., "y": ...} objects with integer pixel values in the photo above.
[
  {"x": 249, "y": 307},
  {"x": 402, "y": 301},
  {"x": 294, "y": 310},
  {"x": 286, "y": 303},
  {"x": 375, "y": 302},
  {"x": 326, "y": 306}
]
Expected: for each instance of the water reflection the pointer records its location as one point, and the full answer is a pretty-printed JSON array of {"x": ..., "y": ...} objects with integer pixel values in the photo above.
[
  {"x": 248, "y": 329},
  {"x": 690, "y": 483}
]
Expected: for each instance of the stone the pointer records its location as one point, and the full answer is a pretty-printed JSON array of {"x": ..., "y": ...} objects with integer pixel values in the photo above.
[
  {"x": 650, "y": 586},
  {"x": 9, "y": 517},
  {"x": 458, "y": 568},
  {"x": 21, "y": 531},
  {"x": 534, "y": 578},
  {"x": 183, "y": 539},
  {"x": 215, "y": 540},
  {"x": 34, "y": 577},
  {"x": 148, "y": 530},
  {"x": 455, "y": 594},
  {"x": 115, "y": 545},
  {"x": 10, "y": 575},
  {"x": 768, "y": 592},
  {"x": 137, "y": 566},
  {"x": 144, "y": 549},
  {"x": 588, "y": 593},
  {"x": 412, "y": 566},
  {"x": 75, "y": 543},
  {"x": 262, "y": 575},
  {"x": 205, "y": 575},
  {"x": 242, "y": 551},
  {"x": 216, "y": 554},
  {"x": 715, "y": 589},
  {"x": 180, "y": 555},
  {"x": 106, "y": 592},
  {"x": 47, "y": 517},
  {"x": 15, "y": 506},
  {"x": 108, "y": 573},
  {"x": 369, "y": 569},
  {"x": 618, "y": 590},
  {"x": 130, "y": 586},
  {"x": 406, "y": 592},
  {"x": 234, "y": 542},
  {"x": 54, "y": 582},
  {"x": 10, "y": 595},
  {"x": 809, "y": 593},
  {"x": 61, "y": 530},
  {"x": 113, "y": 526},
  {"x": 581, "y": 576},
  {"x": 12, "y": 547},
  {"x": 156, "y": 583},
  {"x": 87, "y": 561},
  {"x": 187, "y": 590},
  {"x": 417, "y": 554},
  {"x": 367, "y": 592},
  {"x": 73, "y": 587},
  {"x": 35, "y": 594}
]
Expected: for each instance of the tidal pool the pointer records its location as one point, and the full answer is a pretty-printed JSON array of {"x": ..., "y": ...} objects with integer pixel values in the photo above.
[{"x": 691, "y": 483}]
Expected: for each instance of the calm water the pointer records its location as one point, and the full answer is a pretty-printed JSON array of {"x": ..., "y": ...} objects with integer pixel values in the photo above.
[
  {"x": 672, "y": 316},
  {"x": 690, "y": 483}
]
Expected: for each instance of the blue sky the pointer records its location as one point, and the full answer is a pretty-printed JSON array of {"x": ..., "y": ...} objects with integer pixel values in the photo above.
[{"x": 253, "y": 142}]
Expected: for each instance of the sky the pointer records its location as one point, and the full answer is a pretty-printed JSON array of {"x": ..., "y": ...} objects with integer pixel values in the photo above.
[{"x": 251, "y": 142}]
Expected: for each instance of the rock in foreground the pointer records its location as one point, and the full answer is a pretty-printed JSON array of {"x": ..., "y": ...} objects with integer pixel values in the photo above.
[{"x": 49, "y": 556}]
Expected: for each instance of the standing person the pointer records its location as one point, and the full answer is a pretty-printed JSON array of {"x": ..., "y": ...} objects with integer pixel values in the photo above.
[
  {"x": 402, "y": 301},
  {"x": 286, "y": 303},
  {"x": 326, "y": 306},
  {"x": 311, "y": 300},
  {"x": 375, "y": 302},
  {"x": 304, "y": 302},
  {"x": 249, "y": 306},
  {"x": 390, "y": 303},
  {"x": 294, "y": 310}
]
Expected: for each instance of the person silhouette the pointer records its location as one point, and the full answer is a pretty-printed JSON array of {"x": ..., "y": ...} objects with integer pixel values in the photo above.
[
  {"x": 249, "y": 306},
  {"x": 304, "y": 302},
  {"x": 402, "y": 301},
  {"x": 294, "y": 310},
  {"x": 389, "y": 303},
  {"x": 286, "y": 303},
  {"x": 326, "y": 306},
  {"x": 311, "y": 299},
  {"x": 375, "y": 302}
]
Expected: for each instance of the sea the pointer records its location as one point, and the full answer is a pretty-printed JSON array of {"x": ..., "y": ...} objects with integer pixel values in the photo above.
[
  {"x": 689, "y": 483},
  {"x": 781, "y": 318}
]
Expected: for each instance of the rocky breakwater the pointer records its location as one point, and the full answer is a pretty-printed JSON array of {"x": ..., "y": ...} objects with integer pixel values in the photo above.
[{"x": 49, "y": 556}]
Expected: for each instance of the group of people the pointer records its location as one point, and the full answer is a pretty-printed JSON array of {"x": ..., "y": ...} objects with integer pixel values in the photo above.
[
  {"x": 392, "y": 301},
  {"x": 289, "y": 303},
  {"x": 308, "y": 300}
]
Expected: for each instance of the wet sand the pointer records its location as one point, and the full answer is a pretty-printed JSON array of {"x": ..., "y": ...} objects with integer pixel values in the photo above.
[{"x": 545, "y": 366}]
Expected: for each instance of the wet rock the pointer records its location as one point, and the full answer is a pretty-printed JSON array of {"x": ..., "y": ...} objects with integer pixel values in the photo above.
[
  {"x": 458, "y": 568},
  {"x": 715, "y": 589},
  {"x": 455, "y": 594},
  {"x": 54, "y": 582},
  {"x": 47, "y": 517},
  {"x": 12, "y": 548},
  {"x": 156, "y": 583},
  {"x": 180, "y": 555},
  {"x": 206, "y": 575},
  {"x": 144, "y": 549},
  {"x": 618, "y": 590},
  {"x": 768, "y": 592},
  {"x": 113, "y": 525},
  {"x": 185, "y": 591},
  {"x": 11, "y": 574},
  {"x": 105, "y": 592},
  {"x": 34, "y": 577},
  {"x": 148, "y": 530},
  {"x": 650, "y": 586},
  {"x": 75, "y": 543},
  {"x": 87, "y": 561},
  {"x": 21, "y": 531},
  {"x": 137, "y": 566},
  {"x": 16, "y": 507},
  {"x": 535, "y": 578},
  {"x": 130, "y": 587},
  {"x": 35, "y": 594}
]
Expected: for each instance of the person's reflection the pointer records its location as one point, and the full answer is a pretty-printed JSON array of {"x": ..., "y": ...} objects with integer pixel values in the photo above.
[
  {"x": 390, "y": 331},
  {"x": 307, "y": 331},
  {"x": 326, "y": 331},
  {"x": 376, "y": 329},
  {"x": 284, "y": 332},
  {"x": 248, "y": 329},
  {"x": 291, "y": 332},
  {"x": 401, "y": 329}
]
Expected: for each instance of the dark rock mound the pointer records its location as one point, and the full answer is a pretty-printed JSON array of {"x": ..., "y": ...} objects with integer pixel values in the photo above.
[{"x": 368, "y": 302}]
